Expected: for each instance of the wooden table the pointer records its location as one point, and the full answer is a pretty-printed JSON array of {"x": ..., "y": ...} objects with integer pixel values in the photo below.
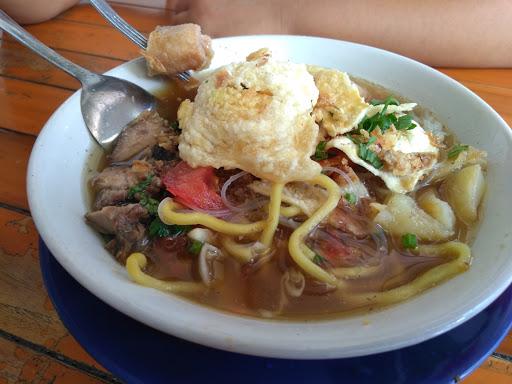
[{"x": 34, "y": 345}]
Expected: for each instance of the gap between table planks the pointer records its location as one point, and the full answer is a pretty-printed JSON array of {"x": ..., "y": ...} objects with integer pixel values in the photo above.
[{"x": 34, "y": 345}]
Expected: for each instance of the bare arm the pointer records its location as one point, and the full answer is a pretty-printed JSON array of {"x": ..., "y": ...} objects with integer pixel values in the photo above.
[
  {"x": 34, "y": 11},
  {"x": 469, "y": 33}
]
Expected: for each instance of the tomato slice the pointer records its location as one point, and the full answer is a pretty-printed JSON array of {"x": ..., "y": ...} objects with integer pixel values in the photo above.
[{"x": 194, "y": 187}]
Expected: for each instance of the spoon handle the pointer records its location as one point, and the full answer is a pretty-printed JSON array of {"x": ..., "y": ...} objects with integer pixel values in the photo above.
[{"x": 15, "y": 30}]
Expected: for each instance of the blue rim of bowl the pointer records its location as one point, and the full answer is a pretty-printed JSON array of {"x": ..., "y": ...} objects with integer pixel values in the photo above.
[{"x": 498, "y": 318}]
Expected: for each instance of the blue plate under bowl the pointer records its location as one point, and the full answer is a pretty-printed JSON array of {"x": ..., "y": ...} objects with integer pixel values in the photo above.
[{"x": 137, "y": 353}]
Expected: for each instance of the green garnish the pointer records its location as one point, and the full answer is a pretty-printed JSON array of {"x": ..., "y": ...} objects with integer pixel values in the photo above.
[
  {"x": 195, "y": 247},
  {"x": 454, "y": 151},
  {"x": 144, "y": 199},
  {"x": 350, "y": 198},
  {"x": 409, "y": 241},
  {"x": 389, "y": 101},
  {"x": 318, "y": 260},
  {"x": 320, "y": 152},
  {"x": 149, "y": 203},
  {"x": 368, "y": 155},
  {"x": 176, "y": 126},
  {"x": 157, "y": 228},
  {"x": 140, "y": 187},
  {"x": 365, "y": 153},
  {"x": 404, "y": 123},
  {"x": 378, "y": 120},
  {"x": 383, "y": 120},
  {"x": 354, "y": 139}
]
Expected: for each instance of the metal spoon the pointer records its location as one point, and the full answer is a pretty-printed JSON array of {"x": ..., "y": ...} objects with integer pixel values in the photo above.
[
  {"x": 108, "y": 103},
  {"x": 128, "y": 30}
]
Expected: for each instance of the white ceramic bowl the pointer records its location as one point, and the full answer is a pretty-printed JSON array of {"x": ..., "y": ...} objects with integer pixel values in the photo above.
[{"x": 58, "y": 202}]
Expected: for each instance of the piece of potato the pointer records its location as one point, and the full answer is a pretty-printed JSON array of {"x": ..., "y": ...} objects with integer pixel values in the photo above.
[
  {"x": 401, "y": 215},
  {"x": 437, "y": 208},
  {"x": 463, "y": 191}
]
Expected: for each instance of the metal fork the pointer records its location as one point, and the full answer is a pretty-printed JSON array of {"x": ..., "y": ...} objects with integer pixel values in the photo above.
[{"x": 126, "y": 29}]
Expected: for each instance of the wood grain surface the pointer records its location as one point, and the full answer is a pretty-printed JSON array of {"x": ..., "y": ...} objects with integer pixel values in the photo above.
[{"x": 34, "y": 345}]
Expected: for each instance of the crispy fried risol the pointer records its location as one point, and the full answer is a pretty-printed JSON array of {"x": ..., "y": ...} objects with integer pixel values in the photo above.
[
  {"x": 177, "y": 48},
  {"x": 255, "y": 116}
]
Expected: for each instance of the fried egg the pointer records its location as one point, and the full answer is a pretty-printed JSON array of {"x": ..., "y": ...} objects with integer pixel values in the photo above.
[{"x": 406, "y": 156}]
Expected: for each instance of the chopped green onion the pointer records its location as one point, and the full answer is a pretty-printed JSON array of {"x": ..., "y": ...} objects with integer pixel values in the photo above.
[
  {"x": 318, "y": 260},
  {"x": 404, "y": 123},
  {"x": 409, "y": 241},
  {"x": 454, "y": 151},
  {"x": 140, "y": 187},
  {"x": 149, "y": 203},
  {"x": 389, "y": 100},
  {"x": 195, "y": 247},
  {"x": 176, "y": 126},
  {"x": 369, "y": 156},
  {"x": 351, "y": 198},
  {"x": 320, "y": 152},
  {"x": 144, "y": 199},
  {"x": 381, "y": 119},
  {"x": 354, "y": 139},
  {"x": 157, "y": 228}
]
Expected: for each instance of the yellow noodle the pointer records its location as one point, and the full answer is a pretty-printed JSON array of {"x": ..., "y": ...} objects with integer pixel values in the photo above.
[
  {"x": 169, "y": 216},
  {"x": 460, "y": 255},
  {"x": 246, "y": 252},
  {"x": 242, "y": 252},
  {"x": 134, "y": 264},
  {"x": 355, "y": 272},
  {"x": 273, "y": 215},
  {"x": 297, "y": 248},
  {"x": 290, "y": 211},
  {"x": 309, "y": 253}
]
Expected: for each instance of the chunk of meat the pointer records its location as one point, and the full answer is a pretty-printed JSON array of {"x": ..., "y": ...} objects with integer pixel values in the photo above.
[
  {"x": 177, "y": 48},
  {"x": 113, "y": 219},
  {"x": 348, "y": 221},
  {"x": 125, "y": 223},
  {"x": 111, "y": 186},
  {"x": 106, "y": 197},
  {"x": 142, "y": 133}
]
